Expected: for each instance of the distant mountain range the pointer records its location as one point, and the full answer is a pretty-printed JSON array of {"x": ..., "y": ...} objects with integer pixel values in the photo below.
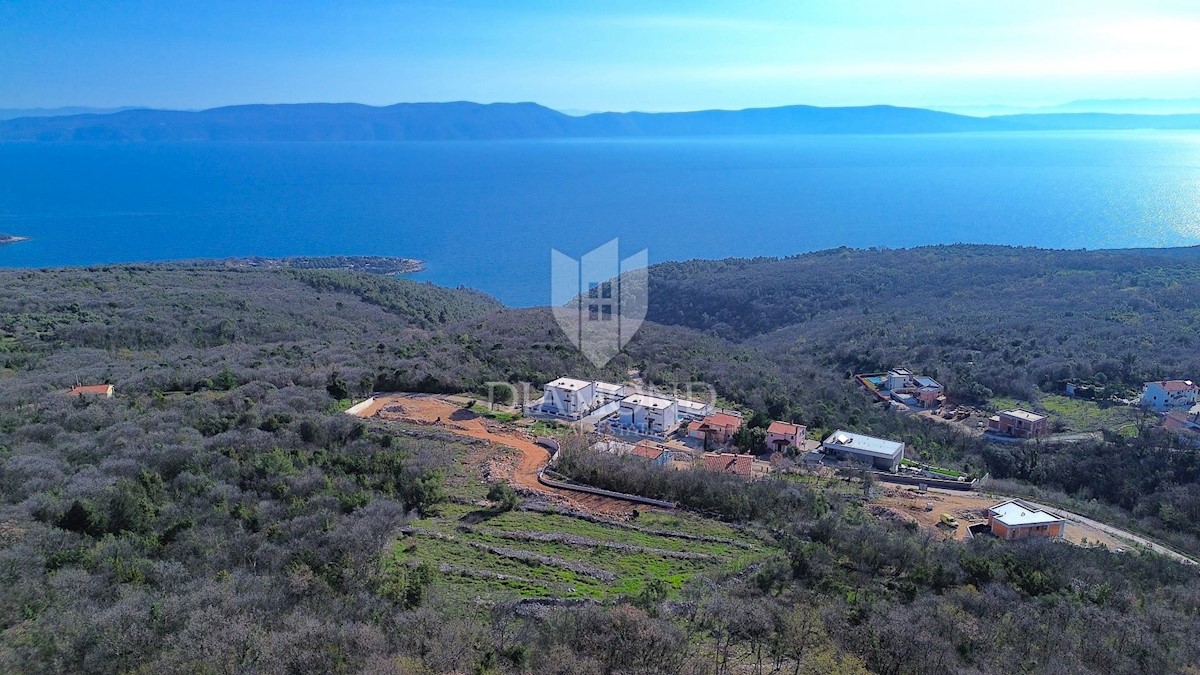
[
  {"x": 1116, "y": 106},
  {"x": 474, "y": 121},
  {"x": 13, "y": 113}
]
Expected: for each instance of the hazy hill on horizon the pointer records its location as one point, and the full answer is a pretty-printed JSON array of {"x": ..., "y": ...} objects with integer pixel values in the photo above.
[{"x": 475, "y": 121}]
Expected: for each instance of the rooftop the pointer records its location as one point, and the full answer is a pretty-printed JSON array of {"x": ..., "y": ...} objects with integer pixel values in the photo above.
[
  {"x": 1013, "y": 513},
  {"x": 690, "y": 405},
  {"x": 722, "y": 420},
  {"x": 645, "y": 401},
  {"x": 1023, "y": 415},
  {"x": 878, "y": 447},
  {"x": 783, "y": 428},
  {"x": 648, "y": 450},
  {"x": 569, "y": 384},
  {"x": 609, "y": 387},
  {"x": 927, "y": 382},
  {"x": 1175, "y": 385},
  {"x": 725, "y": 462},
  {"x": 101, "y": 389}
]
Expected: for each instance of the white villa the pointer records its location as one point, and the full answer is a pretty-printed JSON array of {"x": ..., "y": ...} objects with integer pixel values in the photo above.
[
  {"x": 1166, "y": 395},
  {"x": 609, "y": 392},
  {"x": 647, "y": 415},
  {"x": 568, "y": 397},
  {"x": 692, "y": 410}
]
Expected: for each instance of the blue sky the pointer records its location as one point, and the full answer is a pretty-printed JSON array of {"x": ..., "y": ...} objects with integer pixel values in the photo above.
[{"x": 579, "y": 54}]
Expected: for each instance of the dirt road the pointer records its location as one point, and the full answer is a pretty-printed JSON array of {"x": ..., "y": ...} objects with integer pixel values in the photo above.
[
  {"x": 430, "y": 410},
  {"x": 971, "y": 507}
]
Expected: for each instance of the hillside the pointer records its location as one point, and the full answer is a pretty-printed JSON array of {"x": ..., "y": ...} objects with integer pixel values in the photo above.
[
  {"x": 473, "y": 121},
  {"x": 221, "y": 513},
  {"x": 1006, "y": 319}
]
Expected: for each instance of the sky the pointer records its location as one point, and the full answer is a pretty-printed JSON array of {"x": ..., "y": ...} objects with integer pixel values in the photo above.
[{"x": 589, "y": 55}]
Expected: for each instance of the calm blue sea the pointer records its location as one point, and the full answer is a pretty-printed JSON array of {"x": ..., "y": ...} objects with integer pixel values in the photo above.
[{"x": 486, "y": 214}]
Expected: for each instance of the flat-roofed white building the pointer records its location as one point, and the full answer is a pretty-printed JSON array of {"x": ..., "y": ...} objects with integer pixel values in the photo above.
[
  {"x": 880, "y": 452},
  {"x": 1016, "y": 519},
  {"x": 692, "y": 410},
  {"x": 648, "y": 415},
  {"x": 608, "y": 392},
  {"x": 898, "y": 378},
  {"x": 568, "y": 397}
]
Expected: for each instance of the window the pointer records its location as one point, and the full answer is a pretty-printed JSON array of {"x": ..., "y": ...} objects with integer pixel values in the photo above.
[
  {"x": 593, "y": 289},
  {"x": 606, "y": 312},
  {"x": 606, "y": 290},
  {"x": 593, "y": 312}
]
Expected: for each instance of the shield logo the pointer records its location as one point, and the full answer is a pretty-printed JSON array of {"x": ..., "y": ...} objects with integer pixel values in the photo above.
[{"x": 599, "y": 300}]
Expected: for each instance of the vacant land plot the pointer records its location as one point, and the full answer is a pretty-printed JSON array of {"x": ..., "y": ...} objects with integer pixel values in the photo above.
[
  {"x": 969, "y": 508},
  {"x": 523, "y": 465},
  {"x": 1076, "y": 414}
]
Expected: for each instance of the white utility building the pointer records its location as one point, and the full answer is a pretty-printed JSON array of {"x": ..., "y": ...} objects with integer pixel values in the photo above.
[{"x": 880, "y": 452}]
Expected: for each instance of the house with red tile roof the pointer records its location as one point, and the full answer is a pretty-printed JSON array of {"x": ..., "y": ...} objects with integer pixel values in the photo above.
[
  {"x": 655, "y": 453},
  {"x": 716, "y": 429},
  {"x": 1165, "y": 395},
  {"x": 1185, "y": 423},
  {"x": 102, "y": 390},
  {"x": 784, "y": 435},
  {"x": 739, "y": 465}
]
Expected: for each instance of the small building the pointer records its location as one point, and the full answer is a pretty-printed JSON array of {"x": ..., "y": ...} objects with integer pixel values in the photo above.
[
  {"x": 612, "y": 447},
  {"x": 879, "y": 452},
  {"x": 692, "y": 410},
  {"x": 929, "y": 392},
  {"x": 1018, "y": 423},
  {"x": 718, "y": 428},
  {"x": 745, "y": 466},
  {"x": 656, "y": 454},
  {"x": 784, "y": 435},
  {"x": 101, "y": 390},
  {"x": 1165, "y": 395},
  {"x": 1015, "y": 519},
  {"x": 568, "y": 397},
  {"x": 608, "y": 392},
  {"x": 1185, "y": 424},
  {"x": 647, "y": 415}
]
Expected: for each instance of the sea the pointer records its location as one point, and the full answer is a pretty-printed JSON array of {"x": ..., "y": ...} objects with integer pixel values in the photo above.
[{"x": 488, "y": 214}]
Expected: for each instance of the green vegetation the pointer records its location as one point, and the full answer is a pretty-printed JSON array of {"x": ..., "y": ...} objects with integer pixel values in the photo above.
[
  {"x": 478, "y": 560},
  {"x": 498, "y": 415},
  {"x": 1074, "y": 414},
  {"x": 934, "y": 469},
  {"x": 220, "y": 514}
]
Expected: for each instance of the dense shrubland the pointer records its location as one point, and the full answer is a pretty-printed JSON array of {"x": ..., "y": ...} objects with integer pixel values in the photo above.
[{"x": 221, "y": 515}]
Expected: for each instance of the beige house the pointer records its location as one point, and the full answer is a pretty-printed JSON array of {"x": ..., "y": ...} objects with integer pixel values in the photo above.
[{"x": 784, "y": 435}]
